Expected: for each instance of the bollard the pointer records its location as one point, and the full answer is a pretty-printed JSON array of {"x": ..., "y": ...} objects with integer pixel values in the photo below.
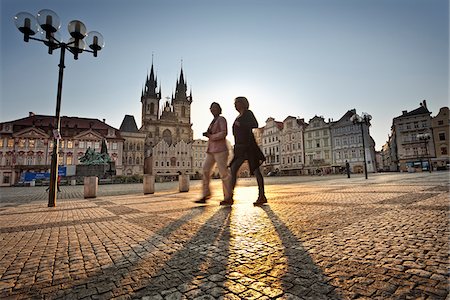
[
  {"x": 73, "y": 182},
  {"x": 33, "y": 183},
  {"x": 90, "y": 187},
  {"x": 183, "y": 181},
  {"x": 149, "y": 184}
]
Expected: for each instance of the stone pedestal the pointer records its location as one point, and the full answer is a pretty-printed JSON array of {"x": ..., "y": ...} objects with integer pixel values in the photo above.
[
  {"x": 183, "y": 181},
  {"x": 149, "y": 184},
  {"x": 90, "y": 187}
]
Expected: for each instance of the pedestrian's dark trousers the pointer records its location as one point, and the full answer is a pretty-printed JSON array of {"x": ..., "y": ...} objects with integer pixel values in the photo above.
[{"x": 237, "y": 162}]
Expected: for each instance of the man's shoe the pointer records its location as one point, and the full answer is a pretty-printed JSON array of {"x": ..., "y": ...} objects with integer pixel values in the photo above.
[
  {"x": 227, "y": 202},
  {"x": 261, "y": 200},
  {"x": 203, "y": 199}
]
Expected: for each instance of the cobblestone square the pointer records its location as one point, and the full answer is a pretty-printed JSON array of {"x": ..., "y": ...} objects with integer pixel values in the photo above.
[{"x": 325, "y": 237}]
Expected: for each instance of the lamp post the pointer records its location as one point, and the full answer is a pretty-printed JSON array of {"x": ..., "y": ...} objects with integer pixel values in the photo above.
[
  {"x": 48, "y": 23},
  {"x": 425, "y": 137},
  {"x": 363, "y": 119}
]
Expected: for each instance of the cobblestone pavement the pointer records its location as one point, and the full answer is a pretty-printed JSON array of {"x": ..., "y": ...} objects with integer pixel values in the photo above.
[{"x": 318, "y": 238}]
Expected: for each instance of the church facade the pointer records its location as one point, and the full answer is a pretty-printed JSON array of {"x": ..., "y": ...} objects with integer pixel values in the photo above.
[{"x": 167, "y": 127}]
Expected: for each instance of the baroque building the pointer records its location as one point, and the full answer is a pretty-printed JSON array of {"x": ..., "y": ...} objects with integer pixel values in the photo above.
[
  {"x": 347, "y": 144},
  {"x": 26, "y": 145},
  {"x": 412, "y": 152},
  {"x": 318, "y": 155},
  {"x": 441, "y": 127},
  {"x": 271, "y": 145},
  {"x": 133, "y": 147},
  {"x": 165, "y": 126},
  {"x": 291, "y": 143}
]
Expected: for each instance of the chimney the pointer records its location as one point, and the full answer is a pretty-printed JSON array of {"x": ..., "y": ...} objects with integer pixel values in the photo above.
[
  {"x": 404, "y": 112},
  {"x": 425, "y": 104},
  {"x": 104, "y": 120},
  {"x": 31, "y": 114}
]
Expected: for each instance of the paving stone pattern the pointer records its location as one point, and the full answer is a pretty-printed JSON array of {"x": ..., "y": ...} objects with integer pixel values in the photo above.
[{"x": 318, "y": 238}]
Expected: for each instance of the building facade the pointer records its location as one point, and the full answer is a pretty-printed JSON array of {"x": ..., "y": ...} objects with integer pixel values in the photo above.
[
  {"x": 441, "y": 124},
  {"x": 414, "y": 154},
  {"x": 171, "y": 124},
  {"x": 318, "y": 154},
  {"x": 133, "y": 147},
  {"x": 271, "y": 145},
  {"x": 347, "y": 145},
  {"x": 26, "y": 144},
  {"x": 291, "y": 144}
]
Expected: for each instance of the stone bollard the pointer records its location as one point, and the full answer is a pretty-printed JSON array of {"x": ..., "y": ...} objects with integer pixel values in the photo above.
[
  {"x": 149, "y": 184},
  {"x": 73, "y": 182},
  {"x": 33, "y": 183},
  {"x": 183, "y": 181},
  {"x": 90, "y": 187}
]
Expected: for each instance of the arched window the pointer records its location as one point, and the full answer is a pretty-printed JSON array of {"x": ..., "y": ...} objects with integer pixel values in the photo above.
[
  {"x": 130, "y": 161},
  {"x": 183, "y": 111},
  {"x": 152, "y": 108},
  {"x": 167, "y": 136},
  {"x": 137, "y": 161}
]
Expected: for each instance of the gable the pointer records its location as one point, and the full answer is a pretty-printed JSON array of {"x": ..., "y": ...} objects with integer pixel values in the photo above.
[
  {"x": 88, "y": 135},
  {"x": 31, "y": 133}
]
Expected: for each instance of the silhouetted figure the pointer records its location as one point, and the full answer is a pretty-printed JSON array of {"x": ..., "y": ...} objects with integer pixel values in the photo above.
[
  {"x": 245, "y": 148},
  {"x": 216, "y": 153},
  {"x": 347, "y": 169}
]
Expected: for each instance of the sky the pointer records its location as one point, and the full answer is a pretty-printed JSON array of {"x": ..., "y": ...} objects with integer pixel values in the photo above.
[{"x": 298, "y": 58}]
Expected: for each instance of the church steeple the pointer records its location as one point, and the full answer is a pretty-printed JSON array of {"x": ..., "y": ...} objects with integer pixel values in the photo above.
[
  {"x": 151, "y": 85},
  {"x": 181, "y": 88}
]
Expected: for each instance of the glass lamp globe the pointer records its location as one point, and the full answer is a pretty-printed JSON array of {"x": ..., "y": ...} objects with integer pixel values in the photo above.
[
  {"x": 77, "y": 29},
  {"x": 48, "y": 20},
  {"x": 26, "y": 23},
  {"x": 95, "y": 41}
]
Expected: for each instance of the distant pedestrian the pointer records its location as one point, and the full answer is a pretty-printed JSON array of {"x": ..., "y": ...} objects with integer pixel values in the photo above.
[
  {"x": 347, "y": 168},
  {"x": 246, "y": 148},
  {"x": 216, "y": 153}
]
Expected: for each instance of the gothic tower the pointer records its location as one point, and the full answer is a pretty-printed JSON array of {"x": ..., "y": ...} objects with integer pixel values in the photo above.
[
  {"x": 150, "y": 98},
  {"x": 182, "y": 102}
]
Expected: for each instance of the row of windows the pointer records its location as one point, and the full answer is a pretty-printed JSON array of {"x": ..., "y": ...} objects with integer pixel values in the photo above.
[
  {"x": 348, "y": 140},
  {"x": 291, "y": 159},
  {"x": 172, "y": 163},
  {"x": 349, "y": 154},
  {"x": 317, "y": 133},
  {"x": 292, "y": 146},
  {"x": 63, "y": 144},
  {"x": 413, "y": 125}
]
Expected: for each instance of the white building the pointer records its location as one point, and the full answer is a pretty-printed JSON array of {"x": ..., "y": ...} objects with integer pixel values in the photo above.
[
  {"x": 291, "y": 143},
  {"x": 318, "y": 152},
  {"x": 271, "y": 145}
]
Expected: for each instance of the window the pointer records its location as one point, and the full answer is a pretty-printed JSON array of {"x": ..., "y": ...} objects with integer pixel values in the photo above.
[
  {"x": 61, "y": 144},
  {"x": 69, "y": 144},
  {"x": 10, "y": 143},
  {"x": 442, "y": 136},
  {"x": 69, "y": 160},
  {"x": 97, "y": 145},
  {"x": 6, "y": 178},
  {"x": 88, "y": 144},
  {"x": 440, "y": 122},
  {"x": 81, "y": 145},
  {"x": 114, "y": 146},
  {"x": 444, "y": 150},
  {"x": 22, "y": 143},
  {"x": 31, "y": 144}
]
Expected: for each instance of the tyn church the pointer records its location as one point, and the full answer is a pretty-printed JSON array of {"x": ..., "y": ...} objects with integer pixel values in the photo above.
[{"x": 167, "y": 127}]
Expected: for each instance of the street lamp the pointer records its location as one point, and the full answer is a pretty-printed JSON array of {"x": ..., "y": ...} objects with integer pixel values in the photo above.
[
  {"x": 363, "y": 119},
  {"x": 47, "y": 22},
  {"x": 425, "y": 137}
]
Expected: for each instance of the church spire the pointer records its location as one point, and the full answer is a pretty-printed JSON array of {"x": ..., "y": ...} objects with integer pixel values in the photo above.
[{"x": 151, "y": 84}]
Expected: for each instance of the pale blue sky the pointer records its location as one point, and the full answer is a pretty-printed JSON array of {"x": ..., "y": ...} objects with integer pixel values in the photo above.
[{"x": 299, "y": 58}]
